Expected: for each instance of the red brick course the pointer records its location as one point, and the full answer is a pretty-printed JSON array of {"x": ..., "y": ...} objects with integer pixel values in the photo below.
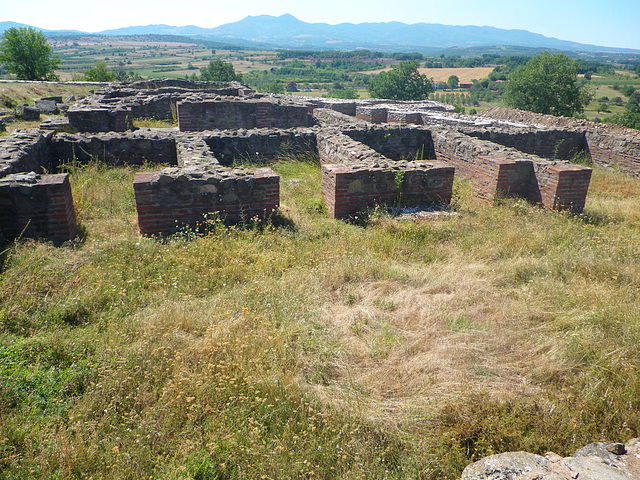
[
  {"x": 348, "y": 190},
  {"x": 166, "y": 208}
]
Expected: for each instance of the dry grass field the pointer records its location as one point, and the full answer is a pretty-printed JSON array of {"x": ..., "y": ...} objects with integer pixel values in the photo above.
[
  {"x": 443, "y": 74},
  {"x": 314, "y": 348},
  {"x": 463, "y": 74}
]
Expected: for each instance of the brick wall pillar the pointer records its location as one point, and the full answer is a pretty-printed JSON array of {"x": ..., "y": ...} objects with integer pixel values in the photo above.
[
  {"x": 37, "y": 206},
  {"x": 562, "y": 187},
  {"x": 349, "y": 189},
  {"x": 263, "y": 115},
  {"x": 169, "y": 201}
]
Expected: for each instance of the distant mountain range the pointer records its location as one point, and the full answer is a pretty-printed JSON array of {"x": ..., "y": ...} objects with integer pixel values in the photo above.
[{"x": 288, "y": 32}]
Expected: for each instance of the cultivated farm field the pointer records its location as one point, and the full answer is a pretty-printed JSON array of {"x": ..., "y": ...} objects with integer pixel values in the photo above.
[
  {"x": 443, "y": 74},
  {"x": 147, "y": 56},
  {"x": 463, "y": 74}
]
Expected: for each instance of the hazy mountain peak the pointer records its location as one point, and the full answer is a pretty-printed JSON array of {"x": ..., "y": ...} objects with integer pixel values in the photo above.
[{"x": 286, "y": 31}]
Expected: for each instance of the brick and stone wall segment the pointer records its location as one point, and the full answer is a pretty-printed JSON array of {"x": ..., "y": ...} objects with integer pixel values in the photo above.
[
  {"x": 234, "y": 114},
  {"x": 174, "y": 198},
  {"x": 37, "y": 206},
  {"x": 348, "y": 190},
  {"x": 408, "y": 142},
  {"x": 336, "y": 147},
  {"x": 133, "y": 148},
  {"x": 608, "y": 144},
  {"x": 100, "y": 119},
  {"x": 25, "y": 151},
  {"x": 497, "y": 171},
  {"x": 372, "y": 114},
  {"x": 611, "y": 149},
  {"x": 259, "y": 145},
  {"x": 328, "y": 117},
  {"x": 554, "y": 144}
]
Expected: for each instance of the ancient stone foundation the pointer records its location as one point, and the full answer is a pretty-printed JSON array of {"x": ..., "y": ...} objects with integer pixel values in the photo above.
[
  {"x": 176, "y": 198},
  {"x": 200, "y": 115},
  {"x": 607, "y": 145},
  {"x": 349, "y": 189},
  {"x": 498, "y": 172},
  {"x": 355, "y": 177},
  {"x": 373, "y": 152}
]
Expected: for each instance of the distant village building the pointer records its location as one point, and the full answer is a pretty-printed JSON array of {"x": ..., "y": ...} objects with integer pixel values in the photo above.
[
  {"x": 291, "y": 87},
  {"x": 465, "y": 84}
]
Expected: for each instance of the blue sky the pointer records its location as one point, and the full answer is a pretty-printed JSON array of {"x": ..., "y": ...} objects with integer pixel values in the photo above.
[{"x": 613, "y": 23}]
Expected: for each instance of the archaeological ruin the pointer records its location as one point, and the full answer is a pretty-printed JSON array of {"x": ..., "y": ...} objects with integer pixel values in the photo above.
[{"x": 372, "y": 152}]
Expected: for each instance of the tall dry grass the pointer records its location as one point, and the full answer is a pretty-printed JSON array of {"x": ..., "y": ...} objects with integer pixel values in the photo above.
[{"x": 315, "y": 348}]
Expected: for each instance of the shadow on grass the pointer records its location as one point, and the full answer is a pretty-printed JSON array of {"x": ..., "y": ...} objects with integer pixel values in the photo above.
[{"x": 374, "y": 215}]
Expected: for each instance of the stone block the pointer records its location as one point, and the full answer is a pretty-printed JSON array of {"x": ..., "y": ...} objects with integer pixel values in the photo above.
[
  {"x": 47, "y": 106},
  {"x": 28, "y": 113}
]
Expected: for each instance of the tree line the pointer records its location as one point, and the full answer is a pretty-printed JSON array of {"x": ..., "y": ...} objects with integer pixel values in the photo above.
[{"x": 547, "y": 83}]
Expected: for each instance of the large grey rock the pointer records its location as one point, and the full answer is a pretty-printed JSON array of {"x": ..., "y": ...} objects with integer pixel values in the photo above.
[
  {"x": 47, "y": 106},
  {"x": 596, "y": 461},
  {"x": 504, "y": 466},
  {"x": 28, "y": 113}
]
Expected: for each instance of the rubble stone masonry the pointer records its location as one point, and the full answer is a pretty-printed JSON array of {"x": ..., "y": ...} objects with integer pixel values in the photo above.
[{"x": 372, "y": 151}]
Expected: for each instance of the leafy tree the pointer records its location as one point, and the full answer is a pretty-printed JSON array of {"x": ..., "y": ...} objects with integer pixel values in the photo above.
[
  {"x": 25, "y": 52},
  {"x": 453, "y": 81},
  {"x": 547, "y": 84},
  {"x": 273, "y": 87},
  {"x": 345, "y": 93},
  {"x": 218, "y": 71},
  {"x": 628, "y": 90},
  {"x": 100, "y": 72},
  {"x": 403, "y": 82},
  {"x": 628, "y": 119},
  {"x": 120, "y": 72},
  {"x": 633, "y": 105}
]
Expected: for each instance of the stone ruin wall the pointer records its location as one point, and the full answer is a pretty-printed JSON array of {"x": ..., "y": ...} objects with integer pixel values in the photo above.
[
  {"x": 223, "y": 114},
  {"x": 176, "y": 198},
  {"x": 497, "y": 171},
  {"x": 410, "y": 159},
  {"x": 37, "y": 206},
  {"x": 356, "y": 177},
  {"x": 608, "y": 145}
]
